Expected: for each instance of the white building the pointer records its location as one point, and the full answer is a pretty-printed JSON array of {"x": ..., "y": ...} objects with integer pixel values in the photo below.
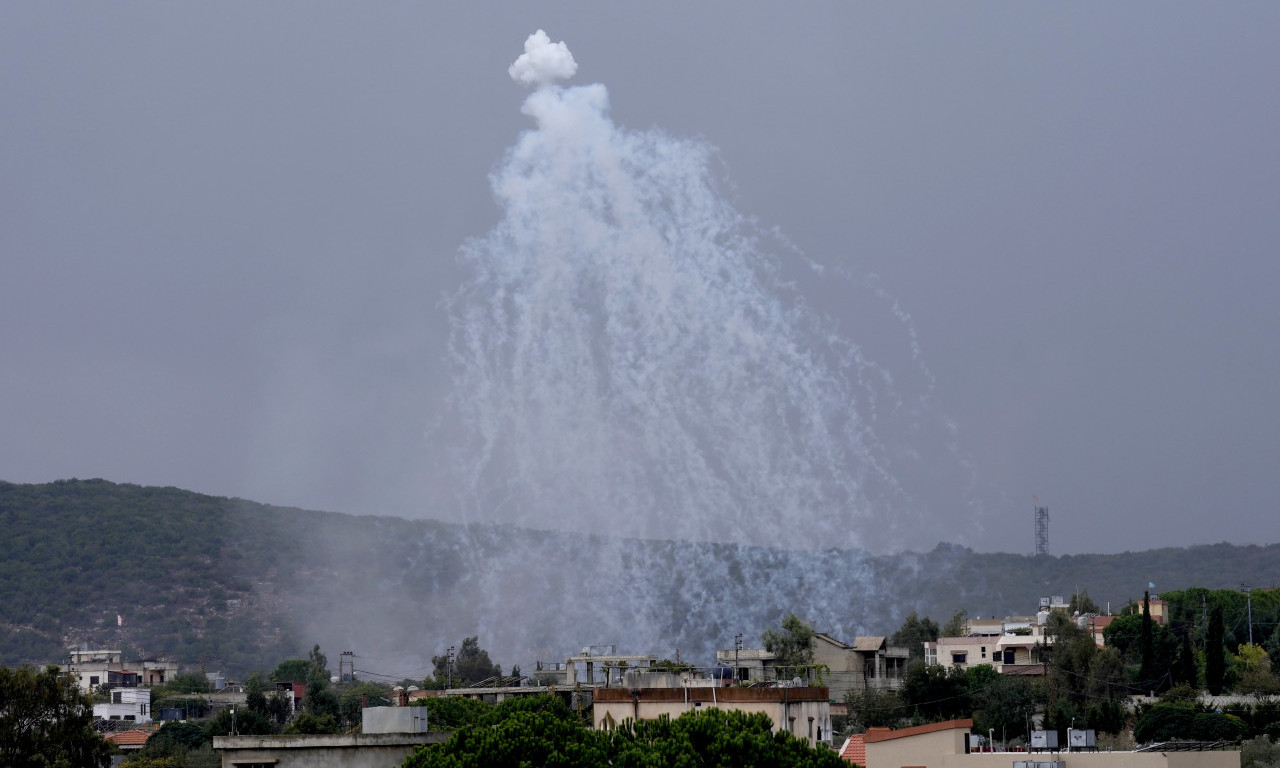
[{"x": 132, "y": 704}]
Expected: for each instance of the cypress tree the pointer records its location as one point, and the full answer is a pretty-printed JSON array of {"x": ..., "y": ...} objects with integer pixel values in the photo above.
[
  {"x": 1146, "y": 673},
  {"x": 1215, "y": 662},
  {"x": 1187, "y": 660}
]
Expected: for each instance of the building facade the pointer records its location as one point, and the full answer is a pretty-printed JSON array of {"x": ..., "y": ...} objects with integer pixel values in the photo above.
[{"x": 800, "y": 711}]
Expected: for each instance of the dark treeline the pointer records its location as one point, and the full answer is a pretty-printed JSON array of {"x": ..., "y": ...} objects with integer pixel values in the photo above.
[{"x": 236, "y": 586}]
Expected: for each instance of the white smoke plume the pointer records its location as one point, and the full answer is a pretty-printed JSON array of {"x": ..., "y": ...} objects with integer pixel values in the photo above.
[
  {"x": 543, "y": 62},
  {"x": 630, "y": 358}
]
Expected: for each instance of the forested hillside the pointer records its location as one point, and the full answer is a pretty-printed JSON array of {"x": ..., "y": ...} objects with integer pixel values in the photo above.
[{"x": 237, "y": 585}]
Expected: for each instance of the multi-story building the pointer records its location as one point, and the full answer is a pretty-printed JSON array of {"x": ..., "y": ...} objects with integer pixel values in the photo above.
[
  {"x": 870, "y": 662},
  {"x": 92, "y": 668}
]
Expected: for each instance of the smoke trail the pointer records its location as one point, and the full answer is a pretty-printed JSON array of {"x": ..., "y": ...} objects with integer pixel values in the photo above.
[{"x": 631, "y": 358}]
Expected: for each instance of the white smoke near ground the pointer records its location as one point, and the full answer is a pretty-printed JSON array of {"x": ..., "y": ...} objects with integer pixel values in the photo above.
[{"x": 630, "y": 357}]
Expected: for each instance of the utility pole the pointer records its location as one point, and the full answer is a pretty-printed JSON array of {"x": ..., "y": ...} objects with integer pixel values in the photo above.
[{"x": 1248, "y": 594}]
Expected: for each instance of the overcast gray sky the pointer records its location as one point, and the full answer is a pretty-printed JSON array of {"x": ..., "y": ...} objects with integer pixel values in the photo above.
[{"x": 226, "y": 230}]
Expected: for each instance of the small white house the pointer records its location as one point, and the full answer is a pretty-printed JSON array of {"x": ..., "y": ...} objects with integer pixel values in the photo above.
[{"x": 132, "y": 704}]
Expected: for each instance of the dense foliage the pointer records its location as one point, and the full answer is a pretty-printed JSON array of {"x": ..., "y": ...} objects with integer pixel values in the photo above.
[
  {"x": 914, "y": 633},
  {"x": 792, "y": 645},
  {"x": 542, "y": 731},
  {"x": 470, "y": 665},
  {"x": 44, "y": 721},
  {"x": 1175, "y": 720},
  {"x": 447, "y": 713}
]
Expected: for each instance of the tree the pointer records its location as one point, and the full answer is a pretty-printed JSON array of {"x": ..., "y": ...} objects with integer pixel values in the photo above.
[
  {"x": 1146, "y": 644},
  {"x": 671, "y": 666},
  {"x": 1272, "y": 647},
  {"x": 957, "y": 625},
  {"x": 1124, "y": 634},
  {"x": 1215, "y": 661},
  {"x": 448, "y": 713},
  {"x": 44, "y": 721},
  {"x": 1081, "y": 603},
  {"x": 186, "y": 683},
  {"x": 176, "y": 737},
  {"x": 914, "y": 633},
  {"x": 292, "y": 671},
  {"x": 1186, "y": 671},
  {"x": 792, "y": 647},
  {"x": 176, "y": 745},
  {"x": 1255, "y": 674},
  {"x": 541, "y": 730},
  {"x": 255, "y": 697},
  {"x": 1259, "y": 752},
  {"x": 872, "y": 708},
  {"x": 1006, "y": 705},
  {"x": 471, "y": 665},
  {"x": 319, "y": 660},
  {"x": 246, "y": 722},
  {"x": 935, "y": 692}
]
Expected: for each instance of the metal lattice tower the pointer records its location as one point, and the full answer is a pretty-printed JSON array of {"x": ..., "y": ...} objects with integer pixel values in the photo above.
[{"x": 1042, "y": 532}]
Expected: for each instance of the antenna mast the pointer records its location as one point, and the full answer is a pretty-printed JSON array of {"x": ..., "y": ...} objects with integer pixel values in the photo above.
[{"x": 1042, "y": 530}]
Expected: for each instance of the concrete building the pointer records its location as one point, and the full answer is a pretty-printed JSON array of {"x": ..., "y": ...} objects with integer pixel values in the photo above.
[
  {"x": 354, "y": 750},
  {"x": 92, "y": 668},
  {"x": 393, "y": 720},
  {"x": 870, "y": 662},
  {"x": 946, "y": 745},
  {"x": 131, "y": 704},
  {"x": 1000, "y": 652},
  {"x": 804, "y": 712}
]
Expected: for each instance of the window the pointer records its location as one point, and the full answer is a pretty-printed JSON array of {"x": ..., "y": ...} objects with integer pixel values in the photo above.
[
  {"x": 959, "y": 658},
  {"x": 93, "y": 680},
  {"x": 984, "y": 651}
]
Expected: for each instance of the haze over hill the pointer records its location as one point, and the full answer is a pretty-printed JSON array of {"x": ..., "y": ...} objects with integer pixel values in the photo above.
[{"x": 239, "y": 585}]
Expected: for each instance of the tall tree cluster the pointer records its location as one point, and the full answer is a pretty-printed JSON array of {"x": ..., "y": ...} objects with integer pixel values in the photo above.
[
  {"x": 44, "y": 721},
  {"x": 471, "y": 665}
]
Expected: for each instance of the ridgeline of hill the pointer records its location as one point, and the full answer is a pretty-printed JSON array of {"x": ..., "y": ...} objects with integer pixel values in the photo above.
[{"x": 234, "y": 585}]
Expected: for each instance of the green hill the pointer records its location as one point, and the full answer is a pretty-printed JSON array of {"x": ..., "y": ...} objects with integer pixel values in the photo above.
[{"x": 236, "y": 585}]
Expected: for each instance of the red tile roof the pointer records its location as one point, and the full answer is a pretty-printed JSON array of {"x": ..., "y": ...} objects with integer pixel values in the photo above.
[
  {"x": 884, "y": 734},
  {"x": 134, "y": 738},
  {"x": 855, "y": 750}
]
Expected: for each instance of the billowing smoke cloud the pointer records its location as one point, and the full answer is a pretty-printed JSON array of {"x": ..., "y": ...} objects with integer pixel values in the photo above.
[
  {"x": 543, "y": 62},
  {"x": 632, "y": 358},
  {"x": 652, "y": 408}
]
